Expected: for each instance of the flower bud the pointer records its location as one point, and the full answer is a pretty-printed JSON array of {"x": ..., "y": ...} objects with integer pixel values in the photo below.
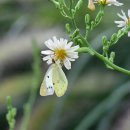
[{"x": 91, "y": 5}]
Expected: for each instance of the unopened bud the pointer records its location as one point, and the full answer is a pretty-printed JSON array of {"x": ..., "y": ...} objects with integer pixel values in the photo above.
[{"x": 91, "y": 5}]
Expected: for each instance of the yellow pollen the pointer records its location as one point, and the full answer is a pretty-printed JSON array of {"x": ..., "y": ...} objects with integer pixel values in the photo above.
[
  {"x": 103, "y": 2},
  {"x": 60, "y": 54}
]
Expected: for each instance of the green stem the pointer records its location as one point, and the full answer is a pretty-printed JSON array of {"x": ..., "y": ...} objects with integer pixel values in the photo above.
[
  {"x": 72, "y": 15},
  {"x": 35, "y": 84},
  {"x": 101, "y": 57}
]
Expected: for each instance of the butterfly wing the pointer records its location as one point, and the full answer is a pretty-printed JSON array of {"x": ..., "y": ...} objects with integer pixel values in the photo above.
[
  {"x": 47, "y": 87},
  {"x": 59, "y": 79}
]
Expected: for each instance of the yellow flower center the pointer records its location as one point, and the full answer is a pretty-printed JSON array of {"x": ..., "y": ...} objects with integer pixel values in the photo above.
[
  {"x": 103, "y": 2},
  {"x": 60, "y": 54}
]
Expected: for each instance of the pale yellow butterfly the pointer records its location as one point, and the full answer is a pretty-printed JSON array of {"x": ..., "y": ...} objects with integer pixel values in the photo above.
[{"x": 54, "y": 80}]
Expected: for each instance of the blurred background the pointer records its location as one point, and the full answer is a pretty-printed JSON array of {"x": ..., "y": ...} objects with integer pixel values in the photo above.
[{"x": 97, "y": 98}]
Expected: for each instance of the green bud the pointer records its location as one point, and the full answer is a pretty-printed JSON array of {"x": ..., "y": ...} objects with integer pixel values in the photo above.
[
  {"x": 104, "y": 41},
  {"x": 76, "y": 40},
  {"x": 78, "y": 5},
  {"x": 105, "y": 49},
  {"x": 112, "y": 56},
  {"x": 9, "y": 116},
  {"x": 80, "y": 42},
  {"x": 9, "y": 102},
  {"x": 13, "y": 111},
  {"x": 111, "y": 59},
  {"x": 87, "y": 27},
  {"x": 67, "y": 26},
  {"x": 119, "y": 33},
  {"x": 73, "y": 12},
  {"x": 87, "y": 18},
  {"x": 63, "y": 13},
  {"x": 99, "y": 17},
  {"x": 114, "y": 38},
  {"x": 12, "y": 123},
  {"x": 57, "y": 4},
  {"x": 61, "y": 2},
  {"x": 92, "y": 24}
]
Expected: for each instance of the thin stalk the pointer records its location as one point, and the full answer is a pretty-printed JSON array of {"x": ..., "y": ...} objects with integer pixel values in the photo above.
[
  {"x": 104, "y": 59},
  {"x": 72, "y": 16}
]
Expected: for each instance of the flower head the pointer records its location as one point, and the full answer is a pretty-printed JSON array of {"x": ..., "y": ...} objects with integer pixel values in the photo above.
[
  {"x": 60, "y": 51},
  {"x": 108, "y": 2},
  {"x": 125, "y": 22}
]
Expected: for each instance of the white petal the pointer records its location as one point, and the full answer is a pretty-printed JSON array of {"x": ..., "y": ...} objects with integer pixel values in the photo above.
[
  {"x": 122, "y": 16},
  {"x": 63, "y": 42},
  {"x": 114, "y": 2},
  {"x": 47, "y": 52},
  {"x": 50, "y": 44},
  {"x": 129, "y": 13},
  {"x": 46, "y": 58},
  {"x": 118, "y": 4},
  {"x": 129, "y": 34},
  {"x": 70, "y": 59},
  {"x": 55, "y": 39},
  {"x": 120, "y": 25},
  {"x": 119, "y": 22},
  {"x": 73, "y": 55},
  {"x": 67, "y": 63},
  {"x": 49, "y": 61},
  {"x": 69, "y": 45},
  {"x": 74, "y": 48},
  {"x": 56, "y": 42}
]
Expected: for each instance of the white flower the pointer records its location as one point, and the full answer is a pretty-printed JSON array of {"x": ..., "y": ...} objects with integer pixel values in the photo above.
[
  {"x": 125, "y": 22},
  {"x": 60, "y": 51},
  {"x": 108, "y": 2}
]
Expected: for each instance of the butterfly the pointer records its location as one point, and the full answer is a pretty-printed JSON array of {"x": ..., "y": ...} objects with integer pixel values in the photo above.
[{"x": 54, "y": 81}]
